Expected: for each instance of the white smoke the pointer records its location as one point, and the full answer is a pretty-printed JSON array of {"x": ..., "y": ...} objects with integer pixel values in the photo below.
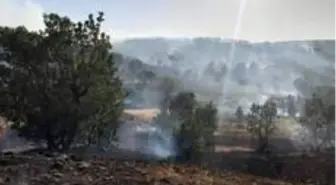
[
  {"x": 278, "y": 66},
  {"x": 147, "y": 138}
]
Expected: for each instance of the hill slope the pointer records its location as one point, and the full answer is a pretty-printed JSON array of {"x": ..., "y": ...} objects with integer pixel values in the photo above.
[{"x": 250, "y": 73}]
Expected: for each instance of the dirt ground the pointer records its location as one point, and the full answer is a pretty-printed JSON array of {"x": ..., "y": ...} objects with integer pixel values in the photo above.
[{"x": 68, "y": 170}]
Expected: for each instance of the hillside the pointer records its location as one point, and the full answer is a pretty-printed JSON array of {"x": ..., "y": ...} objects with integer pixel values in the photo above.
[{"x": 250, "y": 73}]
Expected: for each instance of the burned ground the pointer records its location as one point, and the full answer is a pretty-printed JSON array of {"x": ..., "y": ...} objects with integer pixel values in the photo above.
[{"x": 64, "y": 169}]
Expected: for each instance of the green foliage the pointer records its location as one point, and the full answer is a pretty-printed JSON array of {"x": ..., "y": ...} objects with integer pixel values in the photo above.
[
  {"x": 183, "y": 105},
  {"x": 60, "y": 80},
  {"x": 197, "y": 124},
  {"x": 261, "y": 123}
]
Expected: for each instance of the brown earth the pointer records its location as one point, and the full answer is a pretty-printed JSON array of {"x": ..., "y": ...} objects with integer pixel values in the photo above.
[{"x": 64, "y": 170}]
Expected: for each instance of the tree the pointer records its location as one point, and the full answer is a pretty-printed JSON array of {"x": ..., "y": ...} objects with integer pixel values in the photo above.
[
  {"x": 183, "y": 105},
  {"x": 167, "y": 88},
  {"x": 197, "y": 123},
  {"x": 239, "y": 114},
  {"x": 59, "y": 81},
  {"x": 314, "y": 120},
  {"x": 261, "y": 123},
  {"x": 239, "y": 73},
  {"x": 291, "y": 105},
  {"x": 319, "y": 117}
]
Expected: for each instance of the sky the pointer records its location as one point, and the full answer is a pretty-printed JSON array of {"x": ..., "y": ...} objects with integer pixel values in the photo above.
[{"x": 260, "y": 20}]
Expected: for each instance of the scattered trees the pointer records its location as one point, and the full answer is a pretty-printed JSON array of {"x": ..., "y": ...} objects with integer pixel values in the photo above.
[{"x": 60, "y": 82}]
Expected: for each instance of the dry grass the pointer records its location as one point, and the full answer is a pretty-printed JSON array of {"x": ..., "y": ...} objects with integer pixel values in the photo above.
[{"x": 141, "y": 114}]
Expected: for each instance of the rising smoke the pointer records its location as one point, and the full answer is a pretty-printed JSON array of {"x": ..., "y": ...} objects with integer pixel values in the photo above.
[{"x": 146, "y": 137}]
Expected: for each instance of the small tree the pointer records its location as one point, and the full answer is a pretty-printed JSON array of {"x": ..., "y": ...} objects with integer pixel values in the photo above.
[
  {"x": 167, "y": 88},
  {"x": 239, "y": 114},
  {"x": 58, "y": 79},
  {"x": 319, "y": 117},
  {"x": 197, "y": 123},
  {"x": 291, "y": 105},
  {"x": 261, "y": 123}
]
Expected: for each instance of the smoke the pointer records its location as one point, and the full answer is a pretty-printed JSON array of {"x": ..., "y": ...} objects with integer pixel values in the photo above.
[
  {"x": 147, "y": 138},
  {"x": 10, "y": 141},
  {"x": 304, "y": 137},
  {"x": 269, "y": 70}
]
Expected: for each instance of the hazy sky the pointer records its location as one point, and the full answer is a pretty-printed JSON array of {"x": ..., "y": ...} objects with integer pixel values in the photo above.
[{"x": 261, "y": 19}]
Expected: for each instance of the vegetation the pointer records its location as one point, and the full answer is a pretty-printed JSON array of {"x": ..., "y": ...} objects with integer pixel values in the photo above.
[
  {"x": 291, "y": 105},
  {"x": 60, "y": 82},
  {"x": 319, "y": 117},
  {"x": 192, "y": 125},
  {"x": 197, "y": 123},
  {"x": 239, "y": 114},
  {"x": 261, "y": 123}
]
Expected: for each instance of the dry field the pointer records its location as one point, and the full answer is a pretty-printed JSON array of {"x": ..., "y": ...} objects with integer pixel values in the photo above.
[{"x": 141, "y": 114}]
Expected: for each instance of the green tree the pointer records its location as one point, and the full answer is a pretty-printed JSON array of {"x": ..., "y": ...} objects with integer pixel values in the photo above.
[
  {"x": 197, "y": 123},
  {"x": 183, "y": 105},
  {"x": 59, "y": 81},
  {"x": 261, "y": 123}
]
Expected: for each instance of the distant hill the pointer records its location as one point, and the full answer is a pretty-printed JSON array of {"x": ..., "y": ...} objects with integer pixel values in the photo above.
[{"x": 253, "y": 72}]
